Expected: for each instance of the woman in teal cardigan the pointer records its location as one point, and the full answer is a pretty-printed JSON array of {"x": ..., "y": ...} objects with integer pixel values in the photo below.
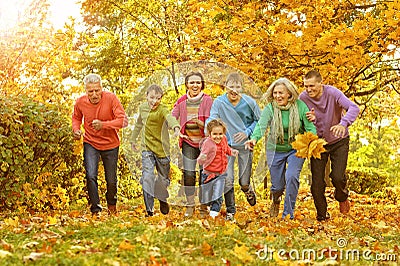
[{"x": 285, "y": 116}]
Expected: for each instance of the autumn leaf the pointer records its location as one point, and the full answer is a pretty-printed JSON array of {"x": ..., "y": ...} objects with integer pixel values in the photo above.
[
  {"x": 207, "y": 249},
  {"x": 309, "y": 145},
  {"x": 242, "y": 253},
  {"x": 51, "y": 220},
  {"x": 125, "y": 245}
]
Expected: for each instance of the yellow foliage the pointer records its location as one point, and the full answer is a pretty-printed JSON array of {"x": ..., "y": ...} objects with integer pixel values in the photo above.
[
  {"x": 12, "y": 222},
  {"x": 308, "y": 144},
  {"x": 243, "y": 253},
  {"x": 125, "y": 245},
  {"x": 51, "y": 220}
]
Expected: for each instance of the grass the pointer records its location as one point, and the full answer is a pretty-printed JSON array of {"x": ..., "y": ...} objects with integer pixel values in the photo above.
[{"x": 75, "y": 238}]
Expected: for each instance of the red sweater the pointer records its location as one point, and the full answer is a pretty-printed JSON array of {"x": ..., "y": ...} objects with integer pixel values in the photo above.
[
  {"x": 217, "y": 160},
  {"x": 109, "y": 111}
]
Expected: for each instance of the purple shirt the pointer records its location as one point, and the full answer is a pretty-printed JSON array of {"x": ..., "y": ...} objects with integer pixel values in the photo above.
[{"x": 329, "y": 111}]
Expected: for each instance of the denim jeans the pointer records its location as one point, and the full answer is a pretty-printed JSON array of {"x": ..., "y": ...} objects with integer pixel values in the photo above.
[
  {"x": 211, "y": 192},
  {"x": 91, "y": 158},
  {"x": 154, "y": 186},
  {"x": 338, "y": 153},
  {"x": 245, "y": 159},
  {"x": 285, "y": 176},
  {"x": 189, "y": 154}
]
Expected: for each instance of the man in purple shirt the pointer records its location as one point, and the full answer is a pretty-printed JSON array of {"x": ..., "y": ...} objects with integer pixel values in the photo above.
[{"x": 327, "y": 105}]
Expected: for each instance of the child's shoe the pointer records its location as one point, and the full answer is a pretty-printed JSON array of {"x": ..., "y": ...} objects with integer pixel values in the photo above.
[{"x": 213, "y": 214}]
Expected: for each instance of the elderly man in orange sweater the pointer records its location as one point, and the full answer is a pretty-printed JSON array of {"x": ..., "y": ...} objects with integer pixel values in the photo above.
[{"x": 102, "y": 115}]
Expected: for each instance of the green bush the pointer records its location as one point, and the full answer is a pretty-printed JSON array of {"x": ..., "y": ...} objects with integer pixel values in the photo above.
[
  {"x": 38, "y": 166},
  {"x": 367, "y": 180}
]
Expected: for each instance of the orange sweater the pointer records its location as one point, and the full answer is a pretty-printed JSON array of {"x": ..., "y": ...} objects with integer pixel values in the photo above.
[{"x": 109, "y": 111}]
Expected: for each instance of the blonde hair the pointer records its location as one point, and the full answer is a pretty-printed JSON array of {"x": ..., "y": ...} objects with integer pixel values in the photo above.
[{"x": 292, "y": 89}]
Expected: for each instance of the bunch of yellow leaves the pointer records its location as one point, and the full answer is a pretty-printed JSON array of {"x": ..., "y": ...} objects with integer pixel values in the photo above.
[{"x": 308, "y": 144}]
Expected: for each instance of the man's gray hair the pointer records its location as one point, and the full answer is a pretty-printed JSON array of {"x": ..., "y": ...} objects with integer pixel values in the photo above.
[{"x": 92, "y": 78}]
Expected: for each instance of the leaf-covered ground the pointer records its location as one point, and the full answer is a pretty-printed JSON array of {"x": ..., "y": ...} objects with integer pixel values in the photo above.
[{"x": 369, "y": 235}]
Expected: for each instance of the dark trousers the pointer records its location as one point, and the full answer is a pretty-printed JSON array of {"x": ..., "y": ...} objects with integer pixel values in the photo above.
[
  {"x": 338, "y": 153},
  {"x": 190, "y": 155}
]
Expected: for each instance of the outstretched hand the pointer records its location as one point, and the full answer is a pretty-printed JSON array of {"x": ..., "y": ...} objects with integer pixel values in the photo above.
[
  {"x": 134, "y": 147},
  {"x": 249, "y": 145},
  {"x": 177, "y": 132}
]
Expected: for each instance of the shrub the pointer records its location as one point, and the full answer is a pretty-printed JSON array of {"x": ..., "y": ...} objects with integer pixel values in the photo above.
[
  {"x": 367, "y": 180},
  {"x": 38, "y": 168}
]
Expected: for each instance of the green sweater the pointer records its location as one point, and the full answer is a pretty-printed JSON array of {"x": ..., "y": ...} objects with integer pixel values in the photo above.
[
  {"x": 265, "y": 122},
  {"x": 155, "y": 124}
]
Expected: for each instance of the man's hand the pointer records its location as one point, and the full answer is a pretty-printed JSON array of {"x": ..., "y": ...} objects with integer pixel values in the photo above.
[
  {"x": 235, "y": 152},
  {"x": 239, "y": 137},
  {"x": 177, "y": 131},
  {"x": 249, "y": 145},
  {"x": 97, "y": 124},
  {"x": 311, "y": 115},
  {"x": 134, "y": 147},
  {"x": 338, "y": 130},
  {"x": 77, "y": 135}
]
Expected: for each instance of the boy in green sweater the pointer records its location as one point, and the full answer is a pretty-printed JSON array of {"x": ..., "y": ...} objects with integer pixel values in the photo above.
[{"x": 155, "y": 119}]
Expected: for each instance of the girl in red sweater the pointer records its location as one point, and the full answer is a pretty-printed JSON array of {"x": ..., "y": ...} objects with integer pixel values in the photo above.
[{"x": 213, "y": 158}]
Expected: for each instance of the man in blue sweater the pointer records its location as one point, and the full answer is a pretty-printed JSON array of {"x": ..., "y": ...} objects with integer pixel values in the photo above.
[{"x": 240, "y": 113}]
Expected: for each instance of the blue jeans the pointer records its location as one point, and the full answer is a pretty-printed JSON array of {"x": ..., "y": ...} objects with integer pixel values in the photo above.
[
  {"x": 211, "y": 192},
  {"x": 91, "y": 158},
  {"x": 245, "y": 159},
  {"x": 154, "y": 186},
  {"x": 338, "y": 153},
  {"x": 282, "y": 176}
]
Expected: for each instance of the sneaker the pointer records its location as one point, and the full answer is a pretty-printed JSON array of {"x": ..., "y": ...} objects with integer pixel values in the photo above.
[
  {"x": 323, "y": 218},
  {"x": 344, "y": 207},
  {"x": 213, "y": 214},
  {"x": 96, "y": 214},
  {"x": 203, "y": 211},
  {"x": 251, "y": 197},
  {"x": 274, "y": 209},
  {"x": 189, "y": 211},
  {"x": 149, "y": 214},
  {"x": 230, "y": 217},
  {"x": 164, "y": 207}
]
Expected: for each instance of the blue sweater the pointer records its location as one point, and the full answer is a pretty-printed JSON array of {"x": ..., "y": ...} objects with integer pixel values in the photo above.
[{"x": 240, "y": 118}]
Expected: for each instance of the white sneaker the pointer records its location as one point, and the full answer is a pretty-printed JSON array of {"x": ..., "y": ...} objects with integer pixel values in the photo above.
[
  {"x": 213, "y": 214},
  {"x": 230, "y": 217}
]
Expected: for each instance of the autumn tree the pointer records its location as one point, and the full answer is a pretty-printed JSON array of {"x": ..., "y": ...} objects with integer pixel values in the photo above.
[
  {"x": 353, "y": 43},
  {"x": 126, "y": 41},
  {"x": 35, "y": 58}
]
